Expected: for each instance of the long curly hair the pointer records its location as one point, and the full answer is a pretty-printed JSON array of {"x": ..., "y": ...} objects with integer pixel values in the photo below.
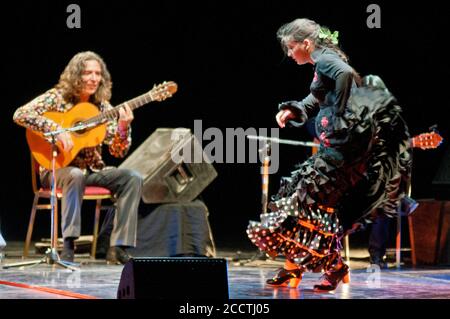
[{"x": 71, "y": 84}]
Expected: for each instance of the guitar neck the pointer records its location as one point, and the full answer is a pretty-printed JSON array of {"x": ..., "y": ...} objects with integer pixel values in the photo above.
[{"x": 114, "y": 113}]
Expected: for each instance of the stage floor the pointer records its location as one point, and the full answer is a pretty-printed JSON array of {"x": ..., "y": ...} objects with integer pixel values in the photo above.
[{"x": 246, "y": 280}]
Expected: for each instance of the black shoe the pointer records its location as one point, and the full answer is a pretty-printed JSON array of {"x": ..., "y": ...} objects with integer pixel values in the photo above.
[
  {"x": 379, "y": 262},
  {"x": 117, "y": 256},
  {"x": 101, "y": 253},
  {"x": 67, "y": 254},
  {"x": 284, "y": 277},
  {"x": 332, "y": 278},
  {"x": 102, "y": 248}
]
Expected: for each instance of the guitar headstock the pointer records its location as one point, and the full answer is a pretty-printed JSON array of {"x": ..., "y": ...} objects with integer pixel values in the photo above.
[
  {"x": 163, "y": 91},
  {"x": 427, "y": 140}
]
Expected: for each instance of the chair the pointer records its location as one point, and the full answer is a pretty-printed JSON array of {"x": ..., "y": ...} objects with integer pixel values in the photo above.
[
  {"x": 407, "y": 207},
  {"x": 91, "y": 193}
]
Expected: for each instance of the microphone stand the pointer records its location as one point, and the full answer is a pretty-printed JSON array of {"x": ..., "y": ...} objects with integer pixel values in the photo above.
[
  {"x": 266, "y": 161},
  {"x": 51, "y": 255},
  {"x": 265, "y": 176},
  {"x": 265, "y": 151}
]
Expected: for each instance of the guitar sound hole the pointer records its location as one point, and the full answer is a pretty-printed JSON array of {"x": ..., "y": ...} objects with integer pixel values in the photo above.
[{"x": 80, "y": 132}]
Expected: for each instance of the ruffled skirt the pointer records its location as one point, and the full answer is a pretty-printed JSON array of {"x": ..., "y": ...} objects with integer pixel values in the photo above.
[{"x": 363, "y": 163}]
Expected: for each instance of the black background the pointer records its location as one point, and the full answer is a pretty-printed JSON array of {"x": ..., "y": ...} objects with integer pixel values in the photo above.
[{"x": 231, "y": 73}]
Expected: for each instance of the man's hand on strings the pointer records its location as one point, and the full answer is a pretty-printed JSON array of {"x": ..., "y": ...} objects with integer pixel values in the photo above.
[{"x": 66, "y": 141}]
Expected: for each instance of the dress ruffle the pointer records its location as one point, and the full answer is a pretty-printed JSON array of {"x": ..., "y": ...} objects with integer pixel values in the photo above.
[{"x": 306, "y": 236}]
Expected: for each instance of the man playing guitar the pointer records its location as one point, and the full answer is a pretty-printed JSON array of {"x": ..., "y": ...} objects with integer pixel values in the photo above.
[{"x": 86, "y": 79}]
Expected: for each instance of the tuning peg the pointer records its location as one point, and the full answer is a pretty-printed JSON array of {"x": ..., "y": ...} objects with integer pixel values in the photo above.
[{"x": 433, "y": 128}]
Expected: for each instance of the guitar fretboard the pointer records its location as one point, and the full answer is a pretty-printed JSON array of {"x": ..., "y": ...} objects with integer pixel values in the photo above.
[{"x": 114, "y": 113}]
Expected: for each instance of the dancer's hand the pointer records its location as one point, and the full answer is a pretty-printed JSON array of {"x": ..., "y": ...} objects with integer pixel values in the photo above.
[{"x": 283, "y": 116}]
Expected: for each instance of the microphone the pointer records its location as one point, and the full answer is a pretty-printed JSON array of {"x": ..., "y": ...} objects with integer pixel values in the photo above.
[
  {"x": 75, "y": 128},
  {"x": 282, "y": 141}
]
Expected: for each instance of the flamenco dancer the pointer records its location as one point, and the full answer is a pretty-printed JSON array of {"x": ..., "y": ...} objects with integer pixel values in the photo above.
[{"x": 361, "y": 169}]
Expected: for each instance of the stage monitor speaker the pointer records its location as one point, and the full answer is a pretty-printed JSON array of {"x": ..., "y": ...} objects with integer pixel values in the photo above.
[
  {"x": 166, "y": 180},
  {"x": 177, "y": 278},
  {"x": 430, "y": 232}
]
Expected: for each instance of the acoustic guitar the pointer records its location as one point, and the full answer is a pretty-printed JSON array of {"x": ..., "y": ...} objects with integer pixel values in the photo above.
[
  {"x": 87, "y": 115},
  {"x": 423, "y": 141}
]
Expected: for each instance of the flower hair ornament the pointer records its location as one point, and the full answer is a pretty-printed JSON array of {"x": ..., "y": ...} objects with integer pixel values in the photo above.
[{"x": 325, "y": 33}]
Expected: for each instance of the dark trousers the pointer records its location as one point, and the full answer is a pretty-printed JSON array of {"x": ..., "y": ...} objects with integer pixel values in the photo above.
[
  {"x": 125, "y": 184},
  {"x": 378, "y": 238}
]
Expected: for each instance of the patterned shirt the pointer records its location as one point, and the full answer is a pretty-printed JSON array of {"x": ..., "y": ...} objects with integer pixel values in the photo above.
[{"x": 31, "y": 116}]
